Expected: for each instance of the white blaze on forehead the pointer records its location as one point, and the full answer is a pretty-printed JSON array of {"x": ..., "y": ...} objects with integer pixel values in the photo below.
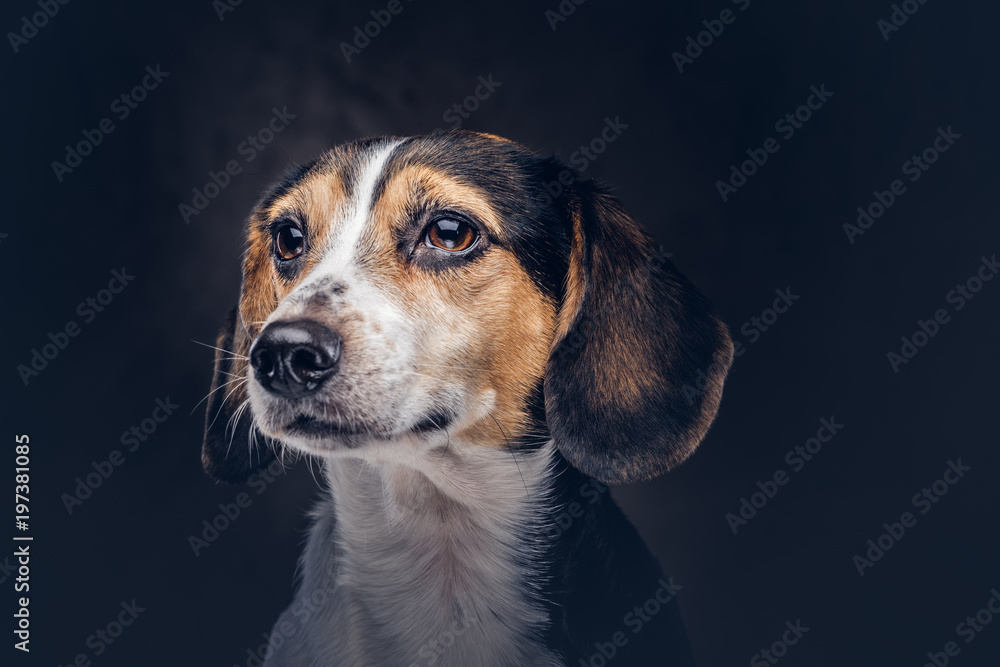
[{"x": 347, "y": 232}]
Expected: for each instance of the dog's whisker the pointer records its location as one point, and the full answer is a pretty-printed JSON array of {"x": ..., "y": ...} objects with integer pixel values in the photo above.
[
  {"x": 236, "y": 414},
  {"x": 221, "y": 386},
  {"x": 447, "y": 443},
  {"x": 223, "y": 404},
  {"x": 511, "y": 449},
  {"x": 223, "y": 350},
  {"x": 312, "y": 472},
  {"x": 254, "y": 438}
]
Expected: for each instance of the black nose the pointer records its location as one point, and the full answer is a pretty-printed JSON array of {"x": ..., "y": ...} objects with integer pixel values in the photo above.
[{"x": 294, "y": 358}]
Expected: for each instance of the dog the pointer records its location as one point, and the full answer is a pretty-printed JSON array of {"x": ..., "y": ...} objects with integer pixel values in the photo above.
[{"x": 472, "y": 359}]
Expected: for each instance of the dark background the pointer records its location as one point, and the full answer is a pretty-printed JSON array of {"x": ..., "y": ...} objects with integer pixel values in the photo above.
[{"x": 825, "y": 357}]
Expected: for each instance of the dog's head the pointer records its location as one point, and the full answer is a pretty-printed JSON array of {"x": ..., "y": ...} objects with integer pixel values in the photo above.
[{"x": 401, "y": 293}]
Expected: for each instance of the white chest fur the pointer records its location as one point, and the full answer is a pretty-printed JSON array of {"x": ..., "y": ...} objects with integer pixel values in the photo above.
[{"x": 432, "y": 560}]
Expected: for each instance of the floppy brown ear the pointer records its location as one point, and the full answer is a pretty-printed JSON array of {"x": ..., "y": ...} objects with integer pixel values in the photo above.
[
  {"x": 635, "y": 375},
  {"x": 233, "y": 449}
]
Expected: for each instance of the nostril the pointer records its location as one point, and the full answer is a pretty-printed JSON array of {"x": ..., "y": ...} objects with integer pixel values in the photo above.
[
  {"x": 310, "y": 361},
  {"x": 262, "y": 361}
]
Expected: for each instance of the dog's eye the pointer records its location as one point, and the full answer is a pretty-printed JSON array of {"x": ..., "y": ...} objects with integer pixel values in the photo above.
[
  {"x": 289, "y": 241},
  {"x": 450, "y": 234}
]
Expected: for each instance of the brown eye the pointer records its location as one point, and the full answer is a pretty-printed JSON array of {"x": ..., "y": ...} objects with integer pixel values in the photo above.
[
  {"x": 289, "y": 241},
  {"x": 450, "y": 234}
]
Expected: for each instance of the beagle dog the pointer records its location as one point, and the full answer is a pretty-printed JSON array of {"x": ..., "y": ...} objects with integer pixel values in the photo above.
[{"x": 471, "y": 360}]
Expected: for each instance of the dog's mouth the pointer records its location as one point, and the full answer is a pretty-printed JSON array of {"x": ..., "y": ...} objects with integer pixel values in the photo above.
[
  {"x": 433, "y": 422},
  {"x": 306, "y": 425},
  {"x": 309, "y": 426}
]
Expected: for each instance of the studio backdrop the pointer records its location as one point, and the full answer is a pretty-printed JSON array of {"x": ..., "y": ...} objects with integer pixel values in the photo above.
[{"x": 825, "y": 173}]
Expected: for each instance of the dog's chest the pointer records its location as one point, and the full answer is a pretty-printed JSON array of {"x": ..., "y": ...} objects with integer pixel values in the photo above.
[{"x": 422, "y": 572}]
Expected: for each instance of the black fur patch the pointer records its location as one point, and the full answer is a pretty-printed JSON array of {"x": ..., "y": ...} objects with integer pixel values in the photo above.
[
  {"x": 232, "y": 450},
  {"x": 599, "y": 572},
  {"x": 614, "y": 394}
]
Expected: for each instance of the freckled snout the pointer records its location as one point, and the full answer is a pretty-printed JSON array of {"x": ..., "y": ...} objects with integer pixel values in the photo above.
[{"x": 294, "y": 358}]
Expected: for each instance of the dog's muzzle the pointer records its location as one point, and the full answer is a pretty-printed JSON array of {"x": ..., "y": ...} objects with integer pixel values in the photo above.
[{"x": 294, "y": 358}]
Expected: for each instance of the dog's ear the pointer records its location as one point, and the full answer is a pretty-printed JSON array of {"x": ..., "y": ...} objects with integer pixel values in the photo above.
[
  {"x": 233, "y": 449},
  {"x": 636, "y": 370}
]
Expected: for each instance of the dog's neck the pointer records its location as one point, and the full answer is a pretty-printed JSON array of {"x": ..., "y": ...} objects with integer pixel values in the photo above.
[{"x": 439, "y": 555}]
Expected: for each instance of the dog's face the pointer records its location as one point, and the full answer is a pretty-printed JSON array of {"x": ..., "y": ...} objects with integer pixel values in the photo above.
[{"x": 398, "y": 293}]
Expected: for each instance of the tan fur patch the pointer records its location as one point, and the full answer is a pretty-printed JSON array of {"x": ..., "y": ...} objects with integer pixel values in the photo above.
[
  {"x": 501, "y": 320},
  {"x": 618, "y": 355},
  {"x": 575, "y": 282},
  {"x": 423, "y": 185},
  {"x": 319, "y": 198}
]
